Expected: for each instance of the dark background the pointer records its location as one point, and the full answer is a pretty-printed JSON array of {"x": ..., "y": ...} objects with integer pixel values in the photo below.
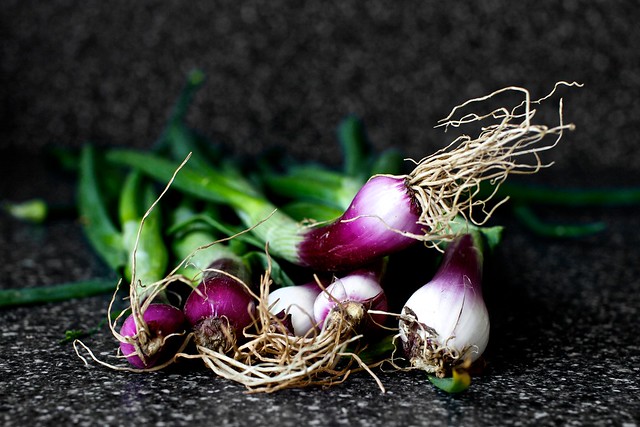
[
  {"x": 283, "y": 74},
  {"x": 280, "y": 73}
]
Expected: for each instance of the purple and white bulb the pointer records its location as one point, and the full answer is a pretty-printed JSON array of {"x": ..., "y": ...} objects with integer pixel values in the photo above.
[
  {"x": 380, "y": 220},
  {"x": 297, "y": 303},
  {"x": 350, "y": 298},
  {"x": 156, "y": 341},
  {"x": 221, "y": 306},
  {"x": 446, "y": 321}
]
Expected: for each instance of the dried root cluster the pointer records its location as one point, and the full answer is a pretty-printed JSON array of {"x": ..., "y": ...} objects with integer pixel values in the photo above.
[
  {"x": 272, "y": 359},
  {"x": 423, "y": 349},
  {"x": 447, "y": 183}
]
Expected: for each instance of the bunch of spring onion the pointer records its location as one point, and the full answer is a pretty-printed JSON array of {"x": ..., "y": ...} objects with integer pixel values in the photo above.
[
  {"x": 155, "y": 329},
  {"x": 381, "y": 215},
  {"x": 215, "y": 312},
  {"x": 304, "y": 335},
  {"x": 301, "y": 334}
]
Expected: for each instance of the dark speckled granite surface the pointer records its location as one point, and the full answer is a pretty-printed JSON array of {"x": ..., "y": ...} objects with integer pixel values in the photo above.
[{"x": 564, "y": 348}]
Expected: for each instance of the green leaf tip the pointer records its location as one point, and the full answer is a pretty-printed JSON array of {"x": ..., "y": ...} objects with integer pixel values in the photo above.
[
  {"x": 196, "y": 77},
  {"x": 457, "y": 383},
  {"x": 34, "y": 210}
]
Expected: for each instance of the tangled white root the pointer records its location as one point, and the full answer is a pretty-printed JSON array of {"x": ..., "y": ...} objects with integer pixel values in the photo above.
[
  {"x": 271, "y": 359},
  {"x": 446, "y": 184}
]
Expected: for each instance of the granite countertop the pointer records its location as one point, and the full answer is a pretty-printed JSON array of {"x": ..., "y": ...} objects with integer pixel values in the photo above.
[{"x": 564, "y": 348}]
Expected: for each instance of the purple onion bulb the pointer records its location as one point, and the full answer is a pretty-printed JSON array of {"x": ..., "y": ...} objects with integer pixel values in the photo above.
[
  {"x": 220, "y": 307},
  {"x": 369, "y": 229},
  {"x": 162, "y": 321}
]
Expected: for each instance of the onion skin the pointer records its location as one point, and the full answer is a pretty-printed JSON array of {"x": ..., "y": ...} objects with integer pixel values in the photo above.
[
  {"x": 368, "y": 230},
  {"x": 353, "y": 295},
  {"x": 296, "y": 302},
  {"x": 220, "y": 307},
  {"x": 450, "y": 312},
  {"x": 162, "y": 320}
]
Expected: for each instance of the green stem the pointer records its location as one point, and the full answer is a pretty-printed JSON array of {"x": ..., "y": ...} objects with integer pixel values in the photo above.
[
  {"x": 212, "y": 186},
  {"x": 105, "y": 238},
  {"x": 178, "y": 139},
  {"x": 567, "y": 197},
  {"x": 195, "y": 80},
  {"x": 531, "y": 221},
  {"x": 357, "y": 152},
  {"x": 71, "y": 335},
  {"x": 191, "y": 232},
  {"x": 33, "y": 210},
  {"x": 457, "y": 383},
  {"x": 223, "y": 229},
  {"x": 309, "y": 210},
  {"x": 281, "y": 231},
  {"x": 317, "y": 184},
  {"x": 390, "y": 162},
  {"x": 378, "y": 351},
  {"x": 61, "y": 292},
  {"x": 151, "y": 255}
]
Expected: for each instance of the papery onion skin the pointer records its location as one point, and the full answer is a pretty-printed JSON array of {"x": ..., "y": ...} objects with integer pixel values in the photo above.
[
  {"x": 369, "y": 229},
  {"x": 450, "y": 311},
  {"x": 162, "y": 320},
  {"x": 297, "y": 302},
  {"x": 220, "y": 307}
]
